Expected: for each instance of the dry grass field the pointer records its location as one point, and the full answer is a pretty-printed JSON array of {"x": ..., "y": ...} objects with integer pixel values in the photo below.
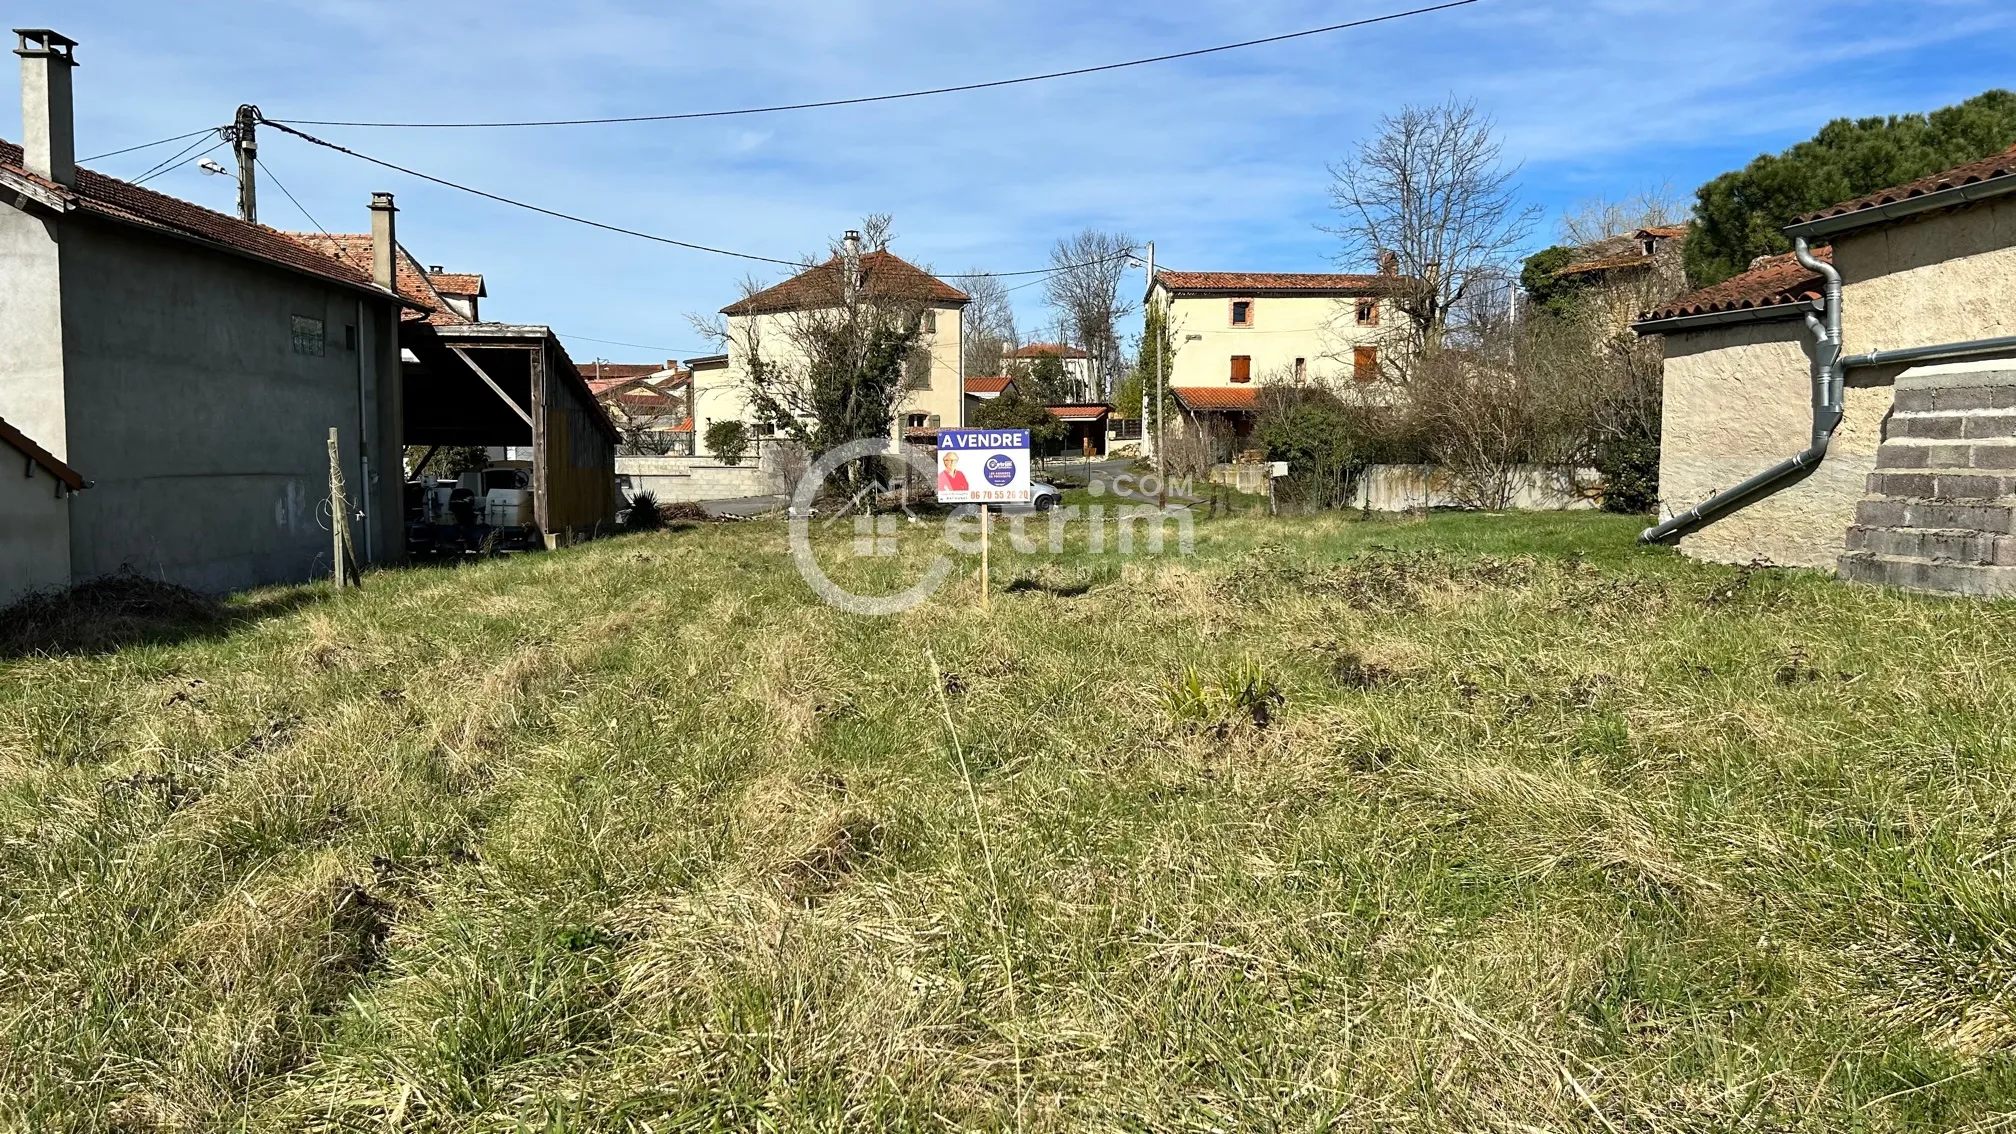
[{"x": 1464, "y": 823}]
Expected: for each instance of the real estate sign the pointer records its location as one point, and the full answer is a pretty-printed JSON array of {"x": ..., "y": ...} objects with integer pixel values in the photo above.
[{"x": 983, "y": 466}]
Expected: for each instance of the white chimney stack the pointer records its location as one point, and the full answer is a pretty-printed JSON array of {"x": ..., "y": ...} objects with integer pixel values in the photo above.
[{"x": 48, "y": 129}]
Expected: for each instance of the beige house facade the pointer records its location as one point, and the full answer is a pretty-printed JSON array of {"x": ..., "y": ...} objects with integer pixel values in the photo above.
[
  {"x": 1928, "y": 265},
  {"x": 1245, "y": 329},
  {"x": 769, "y": 324}
]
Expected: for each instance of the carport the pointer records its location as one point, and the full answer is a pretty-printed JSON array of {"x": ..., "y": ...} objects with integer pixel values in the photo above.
[{"x": 508, "y": 384}]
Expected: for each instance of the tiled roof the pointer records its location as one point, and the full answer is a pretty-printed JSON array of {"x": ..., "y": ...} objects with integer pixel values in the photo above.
[
  {"x": 992, "y": 385},
  {"x": 883, "y": 274},
  {"x": 1090, "y": 411},
  {"x": 459, "y": 284},
  {"x": 36, "y": 453},
  {"x": 1776, "y": 281},
  {"x": 354, "y": 249},
  {"x": 2000, "y": 165},
  {"x": 1220, "y": 398},
  {"x": 1662, "y": 232},
  {"x": 1038, "y": 350},
  {"x": 1316, "y": 283},
  {"x": 118, "y": 200},
  {"x": 605, "y": 372},
  {"x": 1608, "y": 263}
]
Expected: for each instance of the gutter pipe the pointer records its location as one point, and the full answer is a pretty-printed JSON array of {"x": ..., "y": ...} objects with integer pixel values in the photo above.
[
  {"x": 1828, "y": 371},
  {"x": 1972, "y": 349}
]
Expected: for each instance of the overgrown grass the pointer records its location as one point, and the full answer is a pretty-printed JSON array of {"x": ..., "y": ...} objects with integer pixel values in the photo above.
[{"x": 1448, "y": 824}]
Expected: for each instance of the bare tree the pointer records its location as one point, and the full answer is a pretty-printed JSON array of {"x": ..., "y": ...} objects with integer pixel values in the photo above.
[
  {"x": 1430, "y": 198},
  {"x": 989, "y": 325},
  {"x": 1600, "y": 219},
  {"x": 1084, "y": 289}
]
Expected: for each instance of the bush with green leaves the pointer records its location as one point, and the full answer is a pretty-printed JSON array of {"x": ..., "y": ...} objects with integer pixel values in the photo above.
[{"x": 728, "y": 441}]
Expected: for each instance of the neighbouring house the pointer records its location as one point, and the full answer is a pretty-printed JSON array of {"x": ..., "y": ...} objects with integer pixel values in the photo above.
[
  {"x": 1630, "y": 274},
  {"x": 1235, "y": 331},
  {"x": 460, "y": 290},
  {"x": 189, "y": 365},
  {"x": 649, "y": 405},
  {"x": 762, "y": 324},
  {"x": 980, "y": 391},
  {"x": 508, "y": 388},
  {"x": 1909, "y": 487},
  {"x": 1081, "y": 370},
  {"x": 34, "y": 517}
]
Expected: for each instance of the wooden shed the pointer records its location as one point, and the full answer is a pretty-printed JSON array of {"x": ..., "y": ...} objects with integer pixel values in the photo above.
[{"x": 513, "y": 384}]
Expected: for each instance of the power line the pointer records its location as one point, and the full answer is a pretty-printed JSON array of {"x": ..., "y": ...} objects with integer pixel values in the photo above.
[
  {"x": 555, "y": 213},
  {"x": 612, "y": 342},
  {"x": 171, "y": 163},
  {"x": 148, "y": 145},
  {"x": 303, "y": 209},
  {"x": 1366, "y": 22}
]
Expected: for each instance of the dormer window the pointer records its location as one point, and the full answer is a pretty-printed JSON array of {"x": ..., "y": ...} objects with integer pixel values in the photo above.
[
  {"x": 1651, "y": 245},
  {"x": 1242, "y": 312}
]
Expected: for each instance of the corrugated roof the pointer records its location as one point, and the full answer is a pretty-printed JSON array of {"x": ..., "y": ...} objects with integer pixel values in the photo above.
[
  {"x": 117, "y": 200},
  {"x": 883, "y": 274},
  {"x": 1217, "y": 398},
  {"x": 21, "y": 443},
  {"x": 1973, "y": 172},
  {"x": 1777, "y": 281}
]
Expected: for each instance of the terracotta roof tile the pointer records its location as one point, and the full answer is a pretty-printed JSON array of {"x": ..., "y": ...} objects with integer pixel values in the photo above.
[
  {"x": 1088, "y": 411},
  {"x": 1253, "y": 282},
  {"x": 1218, "y": 398},
  {"x": 1999, "y": 165},
  {"x": 458, "y": 284},
  {"x": 601, "y": 374},
  {"x": 883, "y": 274},
  {"x": 990, "y": 385},
  {"x": 354, "y": 249},
  {"x": 21, "y": 443},
  {"x": 1777, "y": 281},
  {"x": 1608, "y": 263},
  {"x": 1662, "y": 232},
  {"x": 1038, "y": 350},
  {"x": 118, "y": 200}
]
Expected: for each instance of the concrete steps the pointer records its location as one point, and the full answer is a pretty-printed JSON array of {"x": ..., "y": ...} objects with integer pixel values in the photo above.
[{"x": 1940, "y": 514}]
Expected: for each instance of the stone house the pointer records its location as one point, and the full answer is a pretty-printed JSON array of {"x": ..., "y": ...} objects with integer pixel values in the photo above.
[
  {"x": 1887, "y": 433},
  {"x": 763, "y": 326},
  {"x": 187, "y": 363},
  {"x": 1631, "y": 273}
]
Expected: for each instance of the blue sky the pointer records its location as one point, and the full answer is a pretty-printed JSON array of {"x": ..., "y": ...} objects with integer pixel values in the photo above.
[{"x": 1222, "y": 161}]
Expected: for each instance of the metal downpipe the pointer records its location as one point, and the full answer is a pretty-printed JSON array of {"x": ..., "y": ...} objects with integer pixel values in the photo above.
[{"x": 1828, "y": 405}]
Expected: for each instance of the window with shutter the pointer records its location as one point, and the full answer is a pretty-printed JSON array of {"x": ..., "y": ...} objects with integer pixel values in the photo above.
[
  {"x": 1365, "y": 363},
  {"x": 1242, "y": 368},
  {"x": 1368, "y": 312}
]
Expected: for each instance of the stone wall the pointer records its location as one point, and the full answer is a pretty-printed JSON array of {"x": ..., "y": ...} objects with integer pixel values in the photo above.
[{"x": 1406, "y": 488}]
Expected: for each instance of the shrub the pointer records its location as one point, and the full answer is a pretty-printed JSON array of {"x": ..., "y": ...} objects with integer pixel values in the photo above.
[
  {"x": 728, "y": 441},
  {"x": 643, "y": 515}
]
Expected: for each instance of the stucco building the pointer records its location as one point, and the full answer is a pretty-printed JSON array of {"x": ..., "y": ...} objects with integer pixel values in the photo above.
[
  {"x": 34, "y": 516},
  {"x": 769, "y": 325},
  {"x": 1236, "y": 331},
  {"x": 187, "y": 363},
  {"x": 1927, "y": 277}
]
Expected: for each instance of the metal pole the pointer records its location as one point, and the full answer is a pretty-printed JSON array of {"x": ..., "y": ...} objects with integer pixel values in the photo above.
[
  {"x": 245, "y": 142},
  {"x": 337, "y": 507},
  {"x": 1155, "y": 344},
  {"x": 986, "y": 514}
]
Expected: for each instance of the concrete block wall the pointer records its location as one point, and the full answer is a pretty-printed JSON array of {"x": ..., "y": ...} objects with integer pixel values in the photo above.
[{"x": 1940, "y": 509}]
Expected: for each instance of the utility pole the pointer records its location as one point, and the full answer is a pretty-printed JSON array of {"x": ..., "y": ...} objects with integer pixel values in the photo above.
[
  {"x": 245, "y": 143},
  {"x": 1155, "y": 344}
]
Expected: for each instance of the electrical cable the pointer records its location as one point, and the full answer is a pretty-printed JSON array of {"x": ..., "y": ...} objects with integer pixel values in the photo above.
[
  {"x": 149, "y": 145},
  {"x": 171, "y": 163},
  {"x": 1366, "y": 22},
  {"x": 442, "y": 181},
  {"x": 303, "y": 209}
]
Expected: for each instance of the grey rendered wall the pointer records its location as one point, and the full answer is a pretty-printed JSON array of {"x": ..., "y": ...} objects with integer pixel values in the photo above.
[
  {"x": 31, "y": 330},
  {"x": 34, "y": 529},
  {"x": 204, "y": 431}
]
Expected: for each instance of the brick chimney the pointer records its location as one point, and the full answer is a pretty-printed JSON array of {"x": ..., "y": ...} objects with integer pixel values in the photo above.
[
  {"x": 384, "y": 242},
  {"x": 48, "y": 130}
]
